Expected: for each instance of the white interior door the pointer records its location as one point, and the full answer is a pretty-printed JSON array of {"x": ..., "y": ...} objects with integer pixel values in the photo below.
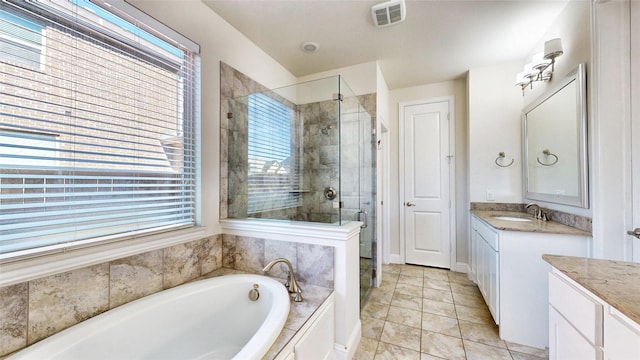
[{"x": 426, "y": 184}]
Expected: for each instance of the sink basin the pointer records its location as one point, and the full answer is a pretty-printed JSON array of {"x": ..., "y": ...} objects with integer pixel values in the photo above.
[{"x": 511, "y": 218}]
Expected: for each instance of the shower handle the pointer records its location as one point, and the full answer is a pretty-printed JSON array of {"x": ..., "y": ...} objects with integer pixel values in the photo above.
[{"x": 365, "y": 223}]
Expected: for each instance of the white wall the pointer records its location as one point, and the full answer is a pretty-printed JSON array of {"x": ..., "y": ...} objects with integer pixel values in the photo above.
[
  {"x": 218, "y": 41},
  {"x": 495, "y": 104},
  {"x": 457, "y": 89},
  {"x": 361, "y": 78},
  {"x": 611, "y": 129}
]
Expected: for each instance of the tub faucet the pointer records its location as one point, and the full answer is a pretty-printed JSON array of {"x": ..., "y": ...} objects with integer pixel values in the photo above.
[
  {"x": 291, "y": 284},
  {"x": 538, "y": 213}
]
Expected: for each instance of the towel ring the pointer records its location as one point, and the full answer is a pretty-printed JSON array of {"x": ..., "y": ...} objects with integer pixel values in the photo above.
[
  {"x": 546, "y": 152},
  {"x": 501, "y": 155}
]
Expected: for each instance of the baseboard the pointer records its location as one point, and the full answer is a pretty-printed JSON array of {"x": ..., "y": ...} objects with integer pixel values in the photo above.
[
  {"x": 396, "y": 259},
  {"x": 348, "y": 351},
  {"x": 461, "y": 267}
]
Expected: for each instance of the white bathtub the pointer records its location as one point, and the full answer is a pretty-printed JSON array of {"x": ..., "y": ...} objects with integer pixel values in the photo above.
[{"x": 207, "y": 319}]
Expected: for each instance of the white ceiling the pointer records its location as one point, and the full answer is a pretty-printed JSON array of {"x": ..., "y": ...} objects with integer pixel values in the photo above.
[{"x": 439, "y": 40}]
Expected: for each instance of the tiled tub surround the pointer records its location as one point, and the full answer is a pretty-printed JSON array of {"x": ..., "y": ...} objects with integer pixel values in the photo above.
[
  {"x": 571, "y": 220},
  {"x": 33, "y": 310},
  {"x": 319, "y": 152}
]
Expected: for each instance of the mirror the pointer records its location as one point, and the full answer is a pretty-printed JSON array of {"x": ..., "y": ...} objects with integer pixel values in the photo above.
[{"x": 555, "y": 143}]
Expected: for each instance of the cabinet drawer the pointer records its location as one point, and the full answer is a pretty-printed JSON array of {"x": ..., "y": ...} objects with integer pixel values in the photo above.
[
  {"x": 582, "y": 311},
  {"x": 489, "y": 235}
]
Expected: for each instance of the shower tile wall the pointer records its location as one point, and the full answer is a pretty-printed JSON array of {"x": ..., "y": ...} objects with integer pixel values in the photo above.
[{"x": 319, "y": 148}]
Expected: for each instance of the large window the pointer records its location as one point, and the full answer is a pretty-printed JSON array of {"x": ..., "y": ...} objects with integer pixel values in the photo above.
[
  {"x": 274, "y": 180},
  {"x": 99, "y": 144}
]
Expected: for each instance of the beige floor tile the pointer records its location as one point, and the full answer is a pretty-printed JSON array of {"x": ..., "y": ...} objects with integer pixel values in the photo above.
[
  {"x": 527, "y": 349},
  {"x": 404, "y": 316},
  {"x": 408, "y": 289},
  {"x": 401, "y": 335},
  {"x": 375, "y": 310},
  {"x": 465, "y": 289},
  {"x": 438, "y": 308},
  {"x": 479, "y": 315},
  {"x": 410, "y": 280},
  {"x": 477, "y": 351},
  {"x": 436, "y": 274},
  {"x": 406, "y": 301},
  {"x": 436, "y": 284},
  {"x": 522, "y": 356},
  {"x": 424, "y": 356},
  {"x": 394, "y": 352},
  {"x": 381, "y": 295},
  {"x": 366, "y": 349},
  {"x": 460, "y": 278},
  {"x": 483, "y": 333},
  {"x": 440, "y": 324},
  {"x": 440, "y": 345},
  {"x": 469, "y": 300},
  {"x": 412, "y": 270},
  {"x": 437, "y": 295},
  {"x": 391, "y": 268},
  {"x": 372, "y": 328}
]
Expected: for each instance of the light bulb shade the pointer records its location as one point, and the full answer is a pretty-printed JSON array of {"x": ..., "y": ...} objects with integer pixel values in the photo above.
[
  {"x": 520, "y": 80},
  {"x": 539, "y": 62},
  {"x": 552, "y": 49},
  {"x": 529, "y": 71}
]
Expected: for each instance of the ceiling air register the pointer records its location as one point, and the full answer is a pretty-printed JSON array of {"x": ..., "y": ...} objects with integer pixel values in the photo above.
[{"x": 388, "y": 13}]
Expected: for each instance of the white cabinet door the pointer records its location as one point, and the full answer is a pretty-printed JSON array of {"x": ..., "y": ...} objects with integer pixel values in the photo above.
[
  {"x": 566, "y": 343},
  {"x": 317, "y": 342},
  {"x": 493, "y": 286},
  {"x": 621, "y": 336}
]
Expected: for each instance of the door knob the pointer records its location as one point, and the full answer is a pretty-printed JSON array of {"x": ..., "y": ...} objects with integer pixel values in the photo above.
[
  {"x": 635, "y": 232},
  {"x": 410, "y": 204}
]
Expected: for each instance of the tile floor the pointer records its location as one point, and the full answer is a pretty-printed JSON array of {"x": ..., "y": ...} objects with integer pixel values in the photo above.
[{"x": 427, "y": 314}]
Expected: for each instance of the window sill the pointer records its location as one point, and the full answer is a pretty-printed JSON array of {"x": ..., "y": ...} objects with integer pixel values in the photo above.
[{"x": 13, "y": 272}]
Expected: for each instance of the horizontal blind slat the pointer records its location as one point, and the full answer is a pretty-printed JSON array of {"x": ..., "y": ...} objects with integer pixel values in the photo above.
[{"x": 98, "y": 125}]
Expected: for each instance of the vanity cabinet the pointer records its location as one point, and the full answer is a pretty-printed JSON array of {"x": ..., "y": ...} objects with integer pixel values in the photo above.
[
  {"x": 485, "y": 247},
  {"x": 583, "y": 326},
  {"x": 508, "y": 268}
]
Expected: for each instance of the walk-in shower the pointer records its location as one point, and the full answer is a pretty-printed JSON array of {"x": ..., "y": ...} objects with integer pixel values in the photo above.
[{"x": 303, "y": 153}]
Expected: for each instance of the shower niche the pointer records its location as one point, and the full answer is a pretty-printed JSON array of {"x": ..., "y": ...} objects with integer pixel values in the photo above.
[{"x": 304, "y": 153}]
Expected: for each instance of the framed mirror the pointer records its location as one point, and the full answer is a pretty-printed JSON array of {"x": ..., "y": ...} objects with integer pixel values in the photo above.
[{"x": 555, "y": 143}]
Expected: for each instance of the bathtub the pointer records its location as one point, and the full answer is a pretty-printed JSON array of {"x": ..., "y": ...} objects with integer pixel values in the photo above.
[{"x": 207, "y": 319}]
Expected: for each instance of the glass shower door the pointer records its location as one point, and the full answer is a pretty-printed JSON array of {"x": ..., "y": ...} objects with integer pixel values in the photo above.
[{"x": 357, "y": 174}]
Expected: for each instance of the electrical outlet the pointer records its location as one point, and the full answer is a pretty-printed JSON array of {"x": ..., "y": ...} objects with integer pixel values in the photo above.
[{"x": 491, "y": 196}]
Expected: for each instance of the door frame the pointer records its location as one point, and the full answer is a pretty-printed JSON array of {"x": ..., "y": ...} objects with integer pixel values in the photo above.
[{"x": 452, "y": 173}]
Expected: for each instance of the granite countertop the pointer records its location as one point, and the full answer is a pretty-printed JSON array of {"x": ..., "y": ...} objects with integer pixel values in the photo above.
[
  {"x": 299, "y": 312},
  {"x": 615, "y": 282},
  {"x": 534, "y": 225}
]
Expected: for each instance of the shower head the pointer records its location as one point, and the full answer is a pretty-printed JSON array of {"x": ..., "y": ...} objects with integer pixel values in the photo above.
[{"x": 325, "y": 130}]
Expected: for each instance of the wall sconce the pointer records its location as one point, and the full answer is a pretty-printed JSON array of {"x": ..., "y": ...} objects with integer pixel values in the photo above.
[{"x": 538, "y": 68}]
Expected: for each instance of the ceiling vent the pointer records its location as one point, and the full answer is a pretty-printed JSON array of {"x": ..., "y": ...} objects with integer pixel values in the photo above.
[{"x": 388, "y": 13}]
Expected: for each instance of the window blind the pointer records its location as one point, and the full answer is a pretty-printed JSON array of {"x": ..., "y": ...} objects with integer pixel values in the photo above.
[
  {"x": 274, "y": 179},
  {"x": 99, "y": 140}
]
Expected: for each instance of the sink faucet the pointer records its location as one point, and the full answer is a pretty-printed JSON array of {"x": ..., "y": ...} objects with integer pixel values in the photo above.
[
  {"x": 538, "y": 213},
  {"x": 291, "y": 284}
]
